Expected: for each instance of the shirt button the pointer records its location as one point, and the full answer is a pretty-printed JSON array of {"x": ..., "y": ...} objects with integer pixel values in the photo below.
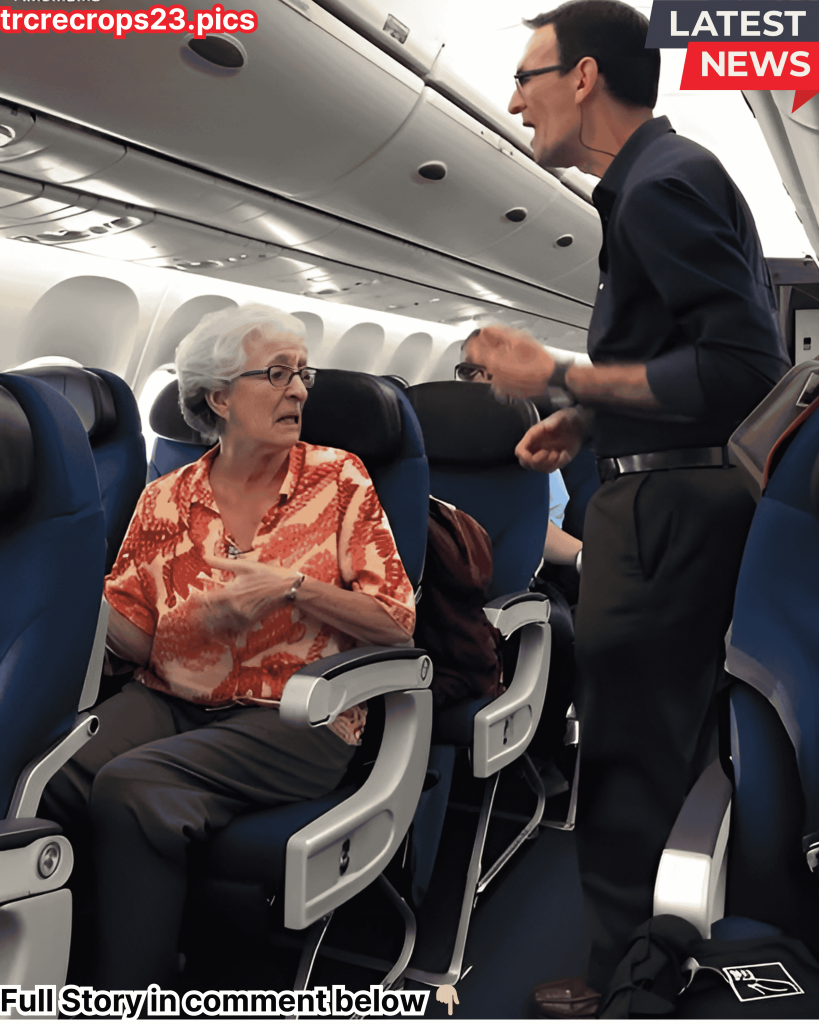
[{"x": 600, "y": 287}]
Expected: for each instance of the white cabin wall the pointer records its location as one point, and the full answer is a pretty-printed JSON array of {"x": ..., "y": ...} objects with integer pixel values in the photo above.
[{"x": 129, "y": 318}]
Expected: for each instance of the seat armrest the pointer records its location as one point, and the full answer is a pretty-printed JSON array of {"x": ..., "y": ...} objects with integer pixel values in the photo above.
[
  {"x": 510, "y": 612},
  {"x": 504, "y": 728},
  {"x": 691, "y": 877},
  {"x": 17, "y": 832},
  {"x": 35, "y": 776},
  {"x": 318, "y": 693},
  {"x": 341, "y": 852}
]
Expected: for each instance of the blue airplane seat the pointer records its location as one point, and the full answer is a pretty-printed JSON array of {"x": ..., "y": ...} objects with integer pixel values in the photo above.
[
  {"x": 321, "y": 853},
  {"x": 52, "y": 563},
  {"x": 109, "y": 413},
  {"x": 767, "y": 816},
  {"x": 470, "y": 440}
]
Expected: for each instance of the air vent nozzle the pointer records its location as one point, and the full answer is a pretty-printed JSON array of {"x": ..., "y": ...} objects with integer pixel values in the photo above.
[
  {"x": 433, "y": 170},
  {"x": 219, "y": 51},
  {"x": 517, "y": 214}
]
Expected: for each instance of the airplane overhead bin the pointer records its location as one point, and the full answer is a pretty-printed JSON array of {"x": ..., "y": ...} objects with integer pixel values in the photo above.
[
  {"x": 318, "y": 141},
  {"x": 312, "y": 100}
]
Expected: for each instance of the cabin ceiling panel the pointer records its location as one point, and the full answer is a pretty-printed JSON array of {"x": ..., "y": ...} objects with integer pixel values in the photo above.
[
  {"x": 385, "y": 255},
  {"x": 311, "y": 102}
]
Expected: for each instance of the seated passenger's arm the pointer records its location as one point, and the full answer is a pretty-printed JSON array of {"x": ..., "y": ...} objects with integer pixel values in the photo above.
[
  {"x": 358, "y": 615},
  {"x": 128, "y": 641},
  {"x": 561, "y": 548},
  {"x": 258, "y": 588}
]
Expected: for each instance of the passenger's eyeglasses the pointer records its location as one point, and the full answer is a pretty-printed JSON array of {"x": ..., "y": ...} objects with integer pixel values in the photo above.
[
  {"x": 522, "y": 77},
  {"x": 472, "y": 372},
  {"x": 280, "y": 376}
]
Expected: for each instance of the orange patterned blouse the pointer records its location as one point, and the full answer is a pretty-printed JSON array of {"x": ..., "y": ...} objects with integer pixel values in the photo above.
[{"x": 327, "y": 524}]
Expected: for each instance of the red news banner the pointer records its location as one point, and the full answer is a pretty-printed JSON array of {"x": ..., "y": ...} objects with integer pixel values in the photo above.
[{"x": 753, "y": 45}]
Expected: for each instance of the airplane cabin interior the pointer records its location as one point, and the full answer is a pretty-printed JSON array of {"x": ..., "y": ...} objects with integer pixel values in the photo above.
[{"x": 328, "y": 164}]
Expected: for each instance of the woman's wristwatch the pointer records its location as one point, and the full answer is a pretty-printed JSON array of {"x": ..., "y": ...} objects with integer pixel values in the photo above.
[{"x": 291, "y": 593}]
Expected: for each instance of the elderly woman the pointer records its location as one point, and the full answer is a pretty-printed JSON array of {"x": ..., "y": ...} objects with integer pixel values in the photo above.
[{"x": 237, "y": 570}]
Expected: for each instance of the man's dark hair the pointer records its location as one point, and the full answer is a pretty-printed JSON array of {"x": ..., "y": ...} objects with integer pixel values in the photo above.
[{"x": 615, "y": 35}]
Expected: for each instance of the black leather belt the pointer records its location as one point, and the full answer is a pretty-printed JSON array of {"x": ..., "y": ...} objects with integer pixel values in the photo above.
[{"x": 676, "y": 458}]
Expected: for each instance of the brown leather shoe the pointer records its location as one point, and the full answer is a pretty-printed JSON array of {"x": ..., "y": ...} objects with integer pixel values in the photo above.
[{"x": 567, "y": 999}]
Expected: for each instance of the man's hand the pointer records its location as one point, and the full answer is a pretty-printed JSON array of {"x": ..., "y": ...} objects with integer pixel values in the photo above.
[
  {"x": 519, "y": 367},
  {"x": 253, "y": 594},
  {"x": 552, "y": 443}
]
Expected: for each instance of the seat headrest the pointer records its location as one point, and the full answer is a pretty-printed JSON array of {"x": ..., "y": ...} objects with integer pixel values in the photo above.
[
  {"x": 464, "y": 424},
  {"x": 16, "y": 454},
  {"x": 166, "y": 417},
  {"x": 88, "y": 394},
  {"x": 354, "y": 411}
]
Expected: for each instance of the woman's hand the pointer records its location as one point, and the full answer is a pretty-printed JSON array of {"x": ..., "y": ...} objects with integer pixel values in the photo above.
[
  {"x": 554, "y": 442},
  {"x": 256, "y": 590}
]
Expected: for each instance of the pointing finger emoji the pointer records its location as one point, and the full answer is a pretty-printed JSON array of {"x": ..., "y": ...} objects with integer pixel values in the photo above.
[{"x": 447, "y": 994}]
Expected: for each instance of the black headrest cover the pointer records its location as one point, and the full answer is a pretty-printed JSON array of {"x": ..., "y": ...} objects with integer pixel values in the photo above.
[
  {"x": 16, "y": 454},
  {"x": 345, "y": 409},
  {"x": 166, "y": 417},
  {"x": 354, "y": 411},
  {"x": 88, "y": 394},
  {"x": 464, "y": 424}
]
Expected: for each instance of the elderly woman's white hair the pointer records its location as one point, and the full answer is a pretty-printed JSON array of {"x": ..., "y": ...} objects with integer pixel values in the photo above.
[{"x": 213, "y": 354}]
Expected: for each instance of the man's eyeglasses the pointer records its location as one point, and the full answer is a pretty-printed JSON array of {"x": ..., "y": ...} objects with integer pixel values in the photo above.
[
  {"x": 280, "y": 376},
  {"x": 522, "y": 77},
  {"x": 472, "y": 372}
]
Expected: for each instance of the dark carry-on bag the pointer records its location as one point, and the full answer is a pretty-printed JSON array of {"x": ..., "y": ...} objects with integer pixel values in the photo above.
[{"x": 747, "y": 970}]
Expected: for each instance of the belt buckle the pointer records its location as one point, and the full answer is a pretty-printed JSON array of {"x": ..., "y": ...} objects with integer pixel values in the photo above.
[{"x": 609, "y": 469}]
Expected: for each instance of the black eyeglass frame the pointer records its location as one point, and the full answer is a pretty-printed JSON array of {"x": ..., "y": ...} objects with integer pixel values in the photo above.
[
  {"x": 522, "y": 77},
  {"x": 308, "y": 381},
  {"x": 468, "y": 372}
]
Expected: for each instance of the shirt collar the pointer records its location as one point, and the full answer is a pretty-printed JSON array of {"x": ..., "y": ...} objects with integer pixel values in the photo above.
[
  {"x": 201, "y": 474},
  {"x": 640, "y": 139}
]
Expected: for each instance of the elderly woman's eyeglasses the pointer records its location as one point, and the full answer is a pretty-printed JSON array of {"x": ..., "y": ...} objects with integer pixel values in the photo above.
[
  {"x": 472, "y": 372},
  {"x": 280, "y": 376},
  {"x": 522, "y": 77}
]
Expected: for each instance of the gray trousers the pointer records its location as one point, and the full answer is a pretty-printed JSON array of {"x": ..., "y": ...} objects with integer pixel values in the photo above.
[{"x": 161, "y": 772}]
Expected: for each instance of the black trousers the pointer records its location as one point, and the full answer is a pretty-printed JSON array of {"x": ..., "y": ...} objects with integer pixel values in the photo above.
[
  {"x": 159, "y": 773},
  {"x": 660, "y": 562}
]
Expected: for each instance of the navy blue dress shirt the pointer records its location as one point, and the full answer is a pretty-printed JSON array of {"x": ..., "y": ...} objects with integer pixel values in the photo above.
[{"x": 684, "y": 288}]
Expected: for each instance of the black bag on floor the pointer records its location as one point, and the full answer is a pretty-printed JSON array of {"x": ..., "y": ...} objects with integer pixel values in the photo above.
[{"x": 747, "y": 970}]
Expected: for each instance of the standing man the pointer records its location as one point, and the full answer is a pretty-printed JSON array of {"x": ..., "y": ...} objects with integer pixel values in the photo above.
[{"x": 684, "y": 344}]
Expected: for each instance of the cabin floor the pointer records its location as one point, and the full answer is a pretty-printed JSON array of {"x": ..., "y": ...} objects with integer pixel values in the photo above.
[{"x": 527, "y": 928}]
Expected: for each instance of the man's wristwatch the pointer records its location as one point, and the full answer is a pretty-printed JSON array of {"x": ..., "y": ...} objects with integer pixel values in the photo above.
[
  {"x": 578, "y": 560},
  {"x": 558, "y": 378},
  {"x": 291, "y": 593}
]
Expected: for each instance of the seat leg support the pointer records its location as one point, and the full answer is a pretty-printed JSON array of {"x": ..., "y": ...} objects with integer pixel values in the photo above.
[
  {"x": 536, "y": 784},
  {"x": 572, "y": 740},
  {"x": 315, "y": 936},
  {"x": 452, "y": 976}
]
